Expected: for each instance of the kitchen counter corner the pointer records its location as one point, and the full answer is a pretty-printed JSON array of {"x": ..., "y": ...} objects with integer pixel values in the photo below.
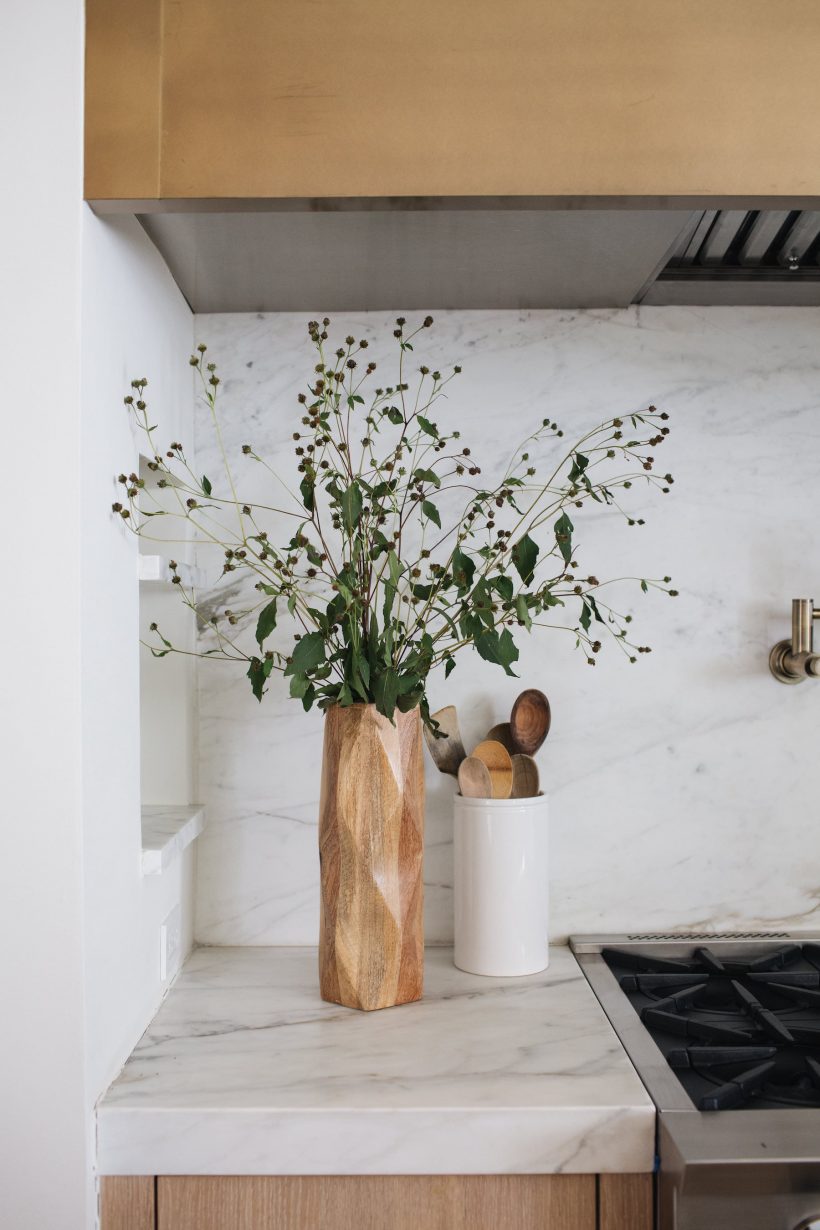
[{"x": 245, "y": 1070}]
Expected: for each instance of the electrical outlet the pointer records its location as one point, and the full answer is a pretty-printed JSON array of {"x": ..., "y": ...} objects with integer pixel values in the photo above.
[{"x": 170, "y": 944}]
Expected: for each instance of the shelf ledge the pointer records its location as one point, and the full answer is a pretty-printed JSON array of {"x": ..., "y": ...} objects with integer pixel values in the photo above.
[
  {"x": 154, "y": 568},
  {"x": 167, "y": 830}
]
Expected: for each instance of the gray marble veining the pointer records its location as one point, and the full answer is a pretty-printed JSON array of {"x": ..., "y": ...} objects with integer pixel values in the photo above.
[
  {"x": 683, "y": 788},
  {"x": 245, "y": 1070}
]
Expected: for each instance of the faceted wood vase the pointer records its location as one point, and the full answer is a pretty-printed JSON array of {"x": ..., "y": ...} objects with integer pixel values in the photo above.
[{"x": 371, "y": 851}]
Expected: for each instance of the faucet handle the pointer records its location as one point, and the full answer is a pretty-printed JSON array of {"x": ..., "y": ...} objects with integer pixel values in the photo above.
[{"x": 802, "y": 616}]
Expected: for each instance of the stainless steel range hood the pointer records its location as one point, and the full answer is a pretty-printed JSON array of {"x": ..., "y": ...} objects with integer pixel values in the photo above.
[
  {"x": 739, "y": 256},
  {"x": 484, "y": 253}
]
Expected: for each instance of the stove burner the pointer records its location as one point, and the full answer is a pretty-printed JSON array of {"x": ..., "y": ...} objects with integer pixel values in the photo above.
[{"x": 737, "y": 1032}]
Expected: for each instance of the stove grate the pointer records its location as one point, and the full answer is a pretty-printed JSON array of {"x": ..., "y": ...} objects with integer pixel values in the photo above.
[{"x": 684, "y": 936}]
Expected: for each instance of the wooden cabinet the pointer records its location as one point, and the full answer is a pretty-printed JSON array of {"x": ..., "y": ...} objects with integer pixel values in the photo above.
[
  {"x": 379, "y": 1202},
  {"x": 212, "y": 100}
]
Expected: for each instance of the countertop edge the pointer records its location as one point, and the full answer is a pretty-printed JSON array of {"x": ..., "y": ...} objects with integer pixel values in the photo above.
[{"x": 589, "y": 1140}]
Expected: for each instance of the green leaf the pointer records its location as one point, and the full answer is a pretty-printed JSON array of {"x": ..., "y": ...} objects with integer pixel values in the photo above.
[
  {"x": 307, "y": 487},
  {"x": 389, "y": 599},
  {"x": 351, "y": 502},
  {"x": 308, "y": 653},
  {"x": 586, "y": 616},
  {"x": 523, "y": 611},
  {"x": 563, "y": 536},
  {"x": 504, "y": 586},
  {"x": 579, "y": 464},
  {"x": 408, "y": 682},
  {"x": 385, "y": 691},
  {"x": 308, "y": 698},
  {"x": 483, "y": 603},
  {"x": 449, "y": 667},
  {"x": 206, "y": 485},
  {"x": 644, "y": 587},
  {"x": 426, "y": 476},
  {"x": 499, "y": 649},
  {"x": 431, "y": 512},
  {"x": 524, "y": 556},
  {"x": 256, "y": 674},
  {"x": 395, "y": 415},
  {"x": 463, "y": 569},
  {"x": 266, "y": 622},
  {"x": 427, "y": 426},
  {"x": 593, "y": 605},
  {"x": 299, "y": 684}
]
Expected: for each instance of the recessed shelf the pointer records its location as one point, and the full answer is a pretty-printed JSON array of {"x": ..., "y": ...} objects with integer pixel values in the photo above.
[
  {"x": 155, "y": 568},
  {"x": 167, "y": 829}
]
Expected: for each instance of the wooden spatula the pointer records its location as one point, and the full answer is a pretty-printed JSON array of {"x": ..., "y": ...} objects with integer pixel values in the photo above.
[
  {"x": 499, "y": 763},
  {"x": 525, "y": 778},
  {"x": 474, "y": 780},
  {"x": 448, "y": 752}
]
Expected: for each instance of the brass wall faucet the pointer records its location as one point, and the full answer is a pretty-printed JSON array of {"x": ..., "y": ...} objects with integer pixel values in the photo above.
[{"x": 795, "y": 660}]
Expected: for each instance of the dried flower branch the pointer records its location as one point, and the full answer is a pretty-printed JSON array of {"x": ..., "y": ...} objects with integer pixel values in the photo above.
[{"x": 380, "y": 590}]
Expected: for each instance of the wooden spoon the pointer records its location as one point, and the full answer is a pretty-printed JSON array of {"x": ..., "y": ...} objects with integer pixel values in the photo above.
[
  {"x": 525, "y": 780},
  {"x": 448, "y": 752},
  {"x": 530, "y": 721},
  {"x": 499, "y": 763},
  {"x": 474, "y": 780},
  {"x": 502, "y": 734}
]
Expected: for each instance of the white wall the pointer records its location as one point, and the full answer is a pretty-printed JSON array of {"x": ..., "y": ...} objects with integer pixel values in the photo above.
[
  {"x": 684, "y": 788},
  {"x": 135, "y": 323},
  {"x": 46, "y": 1126},
  {"x": 86, "y": 306}
]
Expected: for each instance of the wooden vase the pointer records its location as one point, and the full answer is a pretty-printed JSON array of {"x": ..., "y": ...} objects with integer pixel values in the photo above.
[{"x": 371, "y": 852}]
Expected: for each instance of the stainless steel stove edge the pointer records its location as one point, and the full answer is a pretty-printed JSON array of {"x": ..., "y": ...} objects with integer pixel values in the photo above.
[
  {"x": 738, "y": 1169},
  {"x": 662, "y": 942}
]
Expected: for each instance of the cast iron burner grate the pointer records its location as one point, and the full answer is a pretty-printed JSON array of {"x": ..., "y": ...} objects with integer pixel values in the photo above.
[{"x": 737, "y": 1031}]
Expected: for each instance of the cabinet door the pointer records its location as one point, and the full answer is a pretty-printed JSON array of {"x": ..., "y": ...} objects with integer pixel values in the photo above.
[
  {"x": 127, "y": 1202},
  {"x": 378, "y": 1202},
  {"x": 626, "y": 1202}
]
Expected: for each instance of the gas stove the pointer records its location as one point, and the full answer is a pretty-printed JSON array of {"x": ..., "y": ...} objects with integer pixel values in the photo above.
[{"x": 724, "y": 1031}]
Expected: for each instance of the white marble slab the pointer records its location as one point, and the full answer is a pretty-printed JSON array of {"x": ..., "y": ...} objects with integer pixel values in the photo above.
[
  {"x": 246, "y": 1071},
  {"x": 166, "y": 831},
  {"x": 683, "y": 789}
]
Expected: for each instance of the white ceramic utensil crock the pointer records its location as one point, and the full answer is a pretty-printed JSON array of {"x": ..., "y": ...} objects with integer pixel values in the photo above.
[{"x": 501, "y": 886}]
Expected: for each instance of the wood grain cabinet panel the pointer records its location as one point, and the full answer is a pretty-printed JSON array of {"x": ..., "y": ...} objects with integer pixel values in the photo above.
[
  {"x": 625, "y": 1202},
  {"x": 127, "y": 1202},
  {"x": 378, "y": 1202},
  {"x": 207, "y": 100}
]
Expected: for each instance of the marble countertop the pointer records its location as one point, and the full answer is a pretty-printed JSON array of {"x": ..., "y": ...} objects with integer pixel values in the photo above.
[{"x": 244, "y": 1070}]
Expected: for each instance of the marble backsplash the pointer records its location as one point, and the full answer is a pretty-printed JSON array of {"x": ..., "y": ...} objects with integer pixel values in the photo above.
[{"x": 683, "y": 788}]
